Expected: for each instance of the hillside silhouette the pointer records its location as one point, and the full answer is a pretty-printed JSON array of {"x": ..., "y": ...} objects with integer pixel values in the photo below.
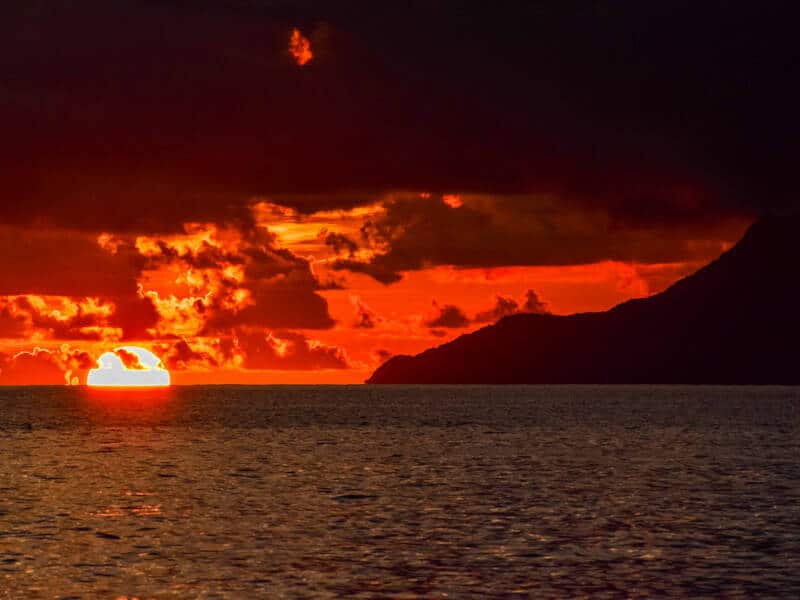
[{"x": 735, "y": 321}]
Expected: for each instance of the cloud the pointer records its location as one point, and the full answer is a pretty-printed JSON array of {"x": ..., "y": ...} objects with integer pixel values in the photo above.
[
  {"x": 44, "y": 366},
  {"x": 502, "y": 308},
  {"x": 129, "y": 359},
  {"x": 61, "y": 263},
  {"x": 505, "y": 306},
  {"x": 365, "y": 316},
  {"x": 252, "y": 348},
  {"x": 12, "y": 324},
  {"x": 339, "y": 242},
  {"x": 236, "y": 276},
  {"x": 37, "y": 367},
  {"x": 180, "y": 356},
  {"x": 414, "y": 232},
  {"x": 57, "y": 318},
  {"x": 379, "y": 272},
  {"x": 447, "y": 315},
  {"x": 136, "y": 315},
  {"x": 300, "y": 48},
  {"x": 94, "y": 272},
  {"x": 534, "y": 305},
  {"x": 286, "y": 350}
]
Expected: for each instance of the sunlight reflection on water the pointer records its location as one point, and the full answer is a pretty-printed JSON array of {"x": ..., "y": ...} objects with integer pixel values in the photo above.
[{"x": 230, "y": 492}]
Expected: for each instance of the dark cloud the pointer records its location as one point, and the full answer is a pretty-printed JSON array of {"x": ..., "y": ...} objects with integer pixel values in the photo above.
[
  {"x": 59, "y": 263},
  {"x": 179, "y": 356},
  {"x": 286, "y": 350},
  {"x": 447, "y": 315},
  {"x": 135, "y": 315},
  {"x": 365, "y": 316},
  {"x": 503, "y": 307},
  {"x": 138, "y": 116},
  {"x": 533, "y": 304},
  {"x": 415, "y": 232},
  {"x": 340, "y": 243}
]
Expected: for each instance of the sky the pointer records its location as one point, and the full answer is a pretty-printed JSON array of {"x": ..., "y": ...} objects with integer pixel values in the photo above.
[{"x": 292, "y": 192}]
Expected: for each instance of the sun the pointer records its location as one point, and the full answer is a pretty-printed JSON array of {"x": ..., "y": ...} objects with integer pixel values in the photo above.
[{"x": 128, "y": 366}]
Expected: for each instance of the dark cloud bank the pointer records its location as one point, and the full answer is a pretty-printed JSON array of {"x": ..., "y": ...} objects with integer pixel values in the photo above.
[{"x": 143, "y": 115}]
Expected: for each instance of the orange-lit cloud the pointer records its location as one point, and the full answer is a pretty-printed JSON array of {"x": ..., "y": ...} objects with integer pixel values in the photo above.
[
  {"x": 57, "y": 318},
  {"x": 300, "y": 47},
  {"x": 228, "y": 277},
  {"x": 41, "y": 366}
]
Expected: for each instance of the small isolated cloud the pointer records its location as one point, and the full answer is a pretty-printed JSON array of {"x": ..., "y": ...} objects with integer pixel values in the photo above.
[
  {"x": 504, "y": 307},
  {"x": 300, "y": 48},
  {"x": 236, "y": 276},
  {"x": 447, "y": 315},
  {"x": 365, "y": 316},
  {"x": 533, "y": 304}
]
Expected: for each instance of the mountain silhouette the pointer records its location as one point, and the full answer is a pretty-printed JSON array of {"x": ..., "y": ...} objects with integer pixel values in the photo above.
[{"x": 735, "y": 321}]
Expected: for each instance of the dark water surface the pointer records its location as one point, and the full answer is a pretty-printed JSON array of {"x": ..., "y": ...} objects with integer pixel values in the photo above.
[{"x": 400, "y": 492}]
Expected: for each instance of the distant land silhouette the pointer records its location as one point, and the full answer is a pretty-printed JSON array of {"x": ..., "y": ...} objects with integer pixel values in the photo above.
[{"x": 735, "y": 321}]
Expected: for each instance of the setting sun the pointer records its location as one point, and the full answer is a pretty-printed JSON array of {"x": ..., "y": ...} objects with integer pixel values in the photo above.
[{"x": 129, "y": 366}]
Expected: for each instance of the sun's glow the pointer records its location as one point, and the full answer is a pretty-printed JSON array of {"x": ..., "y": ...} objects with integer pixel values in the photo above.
[{"x": 128, "y": 366}]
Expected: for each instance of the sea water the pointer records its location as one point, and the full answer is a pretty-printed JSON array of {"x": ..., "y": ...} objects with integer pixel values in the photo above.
[{"x": 399, "y": 492}]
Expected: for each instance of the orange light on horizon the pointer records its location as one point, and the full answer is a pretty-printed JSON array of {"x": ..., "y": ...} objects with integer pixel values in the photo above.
[
  {"x": 118, "y": 369},
  {"x": 300, "y": 47}
]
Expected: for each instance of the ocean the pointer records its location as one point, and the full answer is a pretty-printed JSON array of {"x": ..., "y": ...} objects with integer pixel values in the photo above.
[{"x": 399, "y": 492}]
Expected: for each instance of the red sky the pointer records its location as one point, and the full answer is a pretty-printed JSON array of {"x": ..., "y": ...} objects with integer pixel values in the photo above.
[{"x": 273, "y": 192}]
